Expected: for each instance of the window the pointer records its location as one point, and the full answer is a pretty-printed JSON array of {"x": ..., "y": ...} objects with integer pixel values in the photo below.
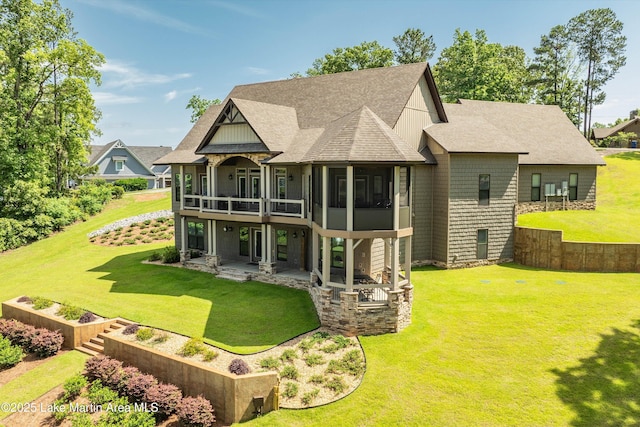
[
  {"x": 281, "y": 245},
  {"x": 536, "y": 179},
  {"x": 188, "y": 183},
  {"x": 119, "y": 165},
  {"x": 281, "y": 183},
  {"x": 337, "y": 252},
  {"x": 195, "y": 232},
  {"x": 573, "y": 186},
  {"x": 244, "y": 241},
  {"x": 483, "y": 192},
  {"x": 241, "y": 175},
  {"x": 483, "y": 243},
  {"x": 203, "y": 185},
  {"x": 361, "y": 193},
  {"x": 176, "y": 181}
]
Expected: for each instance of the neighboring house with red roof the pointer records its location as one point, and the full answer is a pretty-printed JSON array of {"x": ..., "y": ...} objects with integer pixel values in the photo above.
[
  {"x": 353, "y": 177},
  {"x": 630, "y": 126},
  {"x": 117, "y": 160}
]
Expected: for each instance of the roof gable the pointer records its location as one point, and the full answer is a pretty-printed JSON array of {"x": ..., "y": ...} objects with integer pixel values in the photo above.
[{"x": 145, "y": 156}]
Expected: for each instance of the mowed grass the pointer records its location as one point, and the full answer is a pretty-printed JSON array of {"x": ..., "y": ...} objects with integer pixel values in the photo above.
[
  {"x": 500, "y": 346},
  {"x": 112, "y": 281},
  {"x": 617, "y": 209}
]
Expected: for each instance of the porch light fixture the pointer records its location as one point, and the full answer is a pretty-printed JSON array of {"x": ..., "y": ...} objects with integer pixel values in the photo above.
[
  {"x": 302, "y": 233},
  {"x": 230, "y": 177},
  {"x": 295, "y": 235},
  {"x": 227, "y": 228},
  {"x": 290, "y": 177}
]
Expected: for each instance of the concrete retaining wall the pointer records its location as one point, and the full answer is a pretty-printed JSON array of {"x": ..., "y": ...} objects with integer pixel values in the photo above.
[
  {"x": 74, "y": 333},
  {"x": 546, "y": 249},
  {"x": 232, "y": 396}
]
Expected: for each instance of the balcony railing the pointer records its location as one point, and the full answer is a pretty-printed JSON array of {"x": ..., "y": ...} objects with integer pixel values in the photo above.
[{"x": 244, "y": 206}]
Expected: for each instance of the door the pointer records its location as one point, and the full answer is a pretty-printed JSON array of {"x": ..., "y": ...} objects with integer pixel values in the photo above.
[{"x": 256, "y": 245}]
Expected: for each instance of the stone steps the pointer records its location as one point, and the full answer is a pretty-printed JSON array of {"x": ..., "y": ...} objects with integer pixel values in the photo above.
[{"x": 235, "y": 275}]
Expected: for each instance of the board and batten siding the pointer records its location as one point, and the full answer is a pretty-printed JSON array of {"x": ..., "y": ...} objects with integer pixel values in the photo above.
[
  {"x": 467, "y": 217},
  {"x": 235, "y": 134},
  {"x": 550, "y": 174},
  {"x": 419, "y": 113},
  {"x": 440, "y": 211},
  {"x": 422, "y": 203}
]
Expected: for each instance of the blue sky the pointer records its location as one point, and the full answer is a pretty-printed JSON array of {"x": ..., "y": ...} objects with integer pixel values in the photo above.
[{"x": 161, "y": 52}]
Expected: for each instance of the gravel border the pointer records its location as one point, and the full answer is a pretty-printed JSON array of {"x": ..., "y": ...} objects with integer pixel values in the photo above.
[{"x": 131, "y": 220}]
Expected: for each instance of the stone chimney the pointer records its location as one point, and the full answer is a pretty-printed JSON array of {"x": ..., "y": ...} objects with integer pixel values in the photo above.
[{"x": 633, "y": 114}]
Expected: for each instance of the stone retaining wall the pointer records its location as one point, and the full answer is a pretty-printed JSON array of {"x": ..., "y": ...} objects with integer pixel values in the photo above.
[
  {"x": 232, "y": 396},
  {"x": 575, "y": 205},
  {"x": 74, "y": 333},
  {"x": 546, "y": 249},
  {"x": 351, "y": 318}
]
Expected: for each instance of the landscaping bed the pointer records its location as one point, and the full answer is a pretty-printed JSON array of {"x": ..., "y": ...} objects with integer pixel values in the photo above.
[{"x": 147, "y": 228}]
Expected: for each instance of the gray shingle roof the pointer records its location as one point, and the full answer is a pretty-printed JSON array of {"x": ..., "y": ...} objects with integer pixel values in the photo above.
[
  {"x": 601, "y": 133},
  {"x": 145, "y": 154},
  {"x": 541, "y": 133}
]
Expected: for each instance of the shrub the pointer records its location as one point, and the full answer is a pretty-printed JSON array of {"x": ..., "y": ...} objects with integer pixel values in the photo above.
[
  {"x": 342, "y": 341},
  {"x": 270, "y": 363},
  {"x": 126, "y": 373},
  {"x": 40, "y": 303},
  {"x": 307, "y": 398},
  {"x": 138, "y": 384},
  {"x": 45, "y": 343},
  {"x": 25, "y": 299},
  {"x": 290, "y": 390},
  {"x": 87, "y": 317},
  {"x": 70, "y": 312},
  {"x": 98, "y": 394},
  {"x": 209, "y": 355},
  {"x": 166, "y": 396},
  {"x": 317, "y": 379},
  {"x": 289, "y": 355},
  {"x": 192, "y": 347},
  {"x": 330, "y": 348},
  {"x": 132, "y": 184},
  {"x": 161, "y": 337},
  {"x": 336, "y": 384},
  {"x": 139, "y": 419},
  {"x": 196, "y": 412},
  {"x": 10, "y": 355},
  {"x": 144, "y": 334},
  {"x": 109, "y": 371},
  {"x": 73, "y": 387},
  {"x": 18, "y": 333},
  {"x": 117, "y": 192},
  {"x": 351, "y": 363},
  {"x": 289, "y": 372},
  {"x": 306, "y": 345},
  {"x": 130, "y": 329},
  {"x": 239, "y": 367},
  {"x": 314, "y": 359},
  {"x": 170, "y": 255}
]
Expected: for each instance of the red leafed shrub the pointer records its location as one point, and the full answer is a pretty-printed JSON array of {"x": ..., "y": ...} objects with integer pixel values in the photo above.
[
  {"x": 137, "y": 386},
  {"x": 25, "y": 299},
  {"x": 45, "y": 343},
  {"x": 105, "y": 369},
  {"x": 239, "y": 367},
  {"x": 17, "y": 332},
  {"x": 130, "y": 329},
  {"x": 127, "y": 372},
  {"x": 166, "y": 396},
  {"x": 87, "y": 317},
  {"x": 196, "y": 412}
]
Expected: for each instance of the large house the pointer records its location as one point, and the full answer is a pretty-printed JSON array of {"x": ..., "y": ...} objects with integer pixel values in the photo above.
[
  {"x": 630, "y": 126},
  {"x": 355, "y": 176},
  {"x": 116, "y": 160}
]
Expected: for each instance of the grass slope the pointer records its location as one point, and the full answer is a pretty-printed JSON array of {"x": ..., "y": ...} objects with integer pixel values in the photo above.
[
  {"x": 111, "y": 281},
  {"x": 618, "y": 206}
]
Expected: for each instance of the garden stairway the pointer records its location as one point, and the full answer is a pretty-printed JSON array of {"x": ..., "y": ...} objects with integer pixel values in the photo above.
[{"x": 95, "y": 345}]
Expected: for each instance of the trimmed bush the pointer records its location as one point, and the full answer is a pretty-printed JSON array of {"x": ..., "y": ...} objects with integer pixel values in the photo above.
[
  {"x": 99, "y": 394},
  {"x": 25, "y": 299},
  {"x": 40, "y": 303},
  {"x": 170, "y": 255},
  {"x": 307, "y": 398},
  {"x": 130, "y": 329},
  {"x": 10, "y": 355},
  {"x": 166, "y": 396},
  {"x": 87, "y": 317},
  {"x": 289, "y": 355},
  {"x": 154, "y": 256},
  {"x": 290, "y": 390},
  {"x": 132, "y": 184},
  {"x": 196, "y": 412},
  {"x": 109, "y": 371},
  {"x": 336, "y": 384},
  {"x": 144, "y": 334},
  {"x": 70, "y": 312},
  {"x": 192, "y": 347},
  {"x": 314, "y": 359},
  {"x": 73, "y": 387},
  {"x": 45, "y": 343},
  {"x": 17, "y": 332},
  {"x": 208, "y": 355},
  {"x": 239, "y": 367},
  {"x": 289, "y": 372},
  {"x": 138, "y": 384},
  {"x": 270, "y": 363}
]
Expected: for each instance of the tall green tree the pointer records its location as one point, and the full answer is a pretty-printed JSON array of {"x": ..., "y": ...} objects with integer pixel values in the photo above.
[
  {"x": 364, "y": 55},
  {"x": 601, "y": 47},
  {"x": 199, "y": 105},
  {"x": 555, "y": 73},
  {"x": 413, "y": 46},
  {"x": 473, "y": 68},
  {"x": 48, "y": 111}
]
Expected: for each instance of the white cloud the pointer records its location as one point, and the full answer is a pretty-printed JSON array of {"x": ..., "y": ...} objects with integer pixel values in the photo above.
[
  {"x": 170, "y": 96},
  {"x": 147, "y": 15},
  {"x": 120, "y": 75},
  {"x": 108, "y": 98}
]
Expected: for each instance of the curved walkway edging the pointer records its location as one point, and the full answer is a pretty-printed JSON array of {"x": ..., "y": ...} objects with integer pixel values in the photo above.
[{"x": 541, "y": 248}]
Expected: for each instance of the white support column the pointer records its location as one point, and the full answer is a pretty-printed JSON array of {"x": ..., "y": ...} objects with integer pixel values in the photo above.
[
  {"x": 266, "y": 250},
  {"x": 265, "y": 189},
  {"x": 407, "y": 258},
  {"x": 326, "y": 260},
  {"x": 183, "y": 234},
  {"x": 395, "y": 262},
  {"x": 315, "y": 250},
  {"x": 348, "y": 253},
  {"x": 350, "y": 198},
  {"x": 325, "y": 197},
  {"x": 396, "y": 197},
  {"x": 181, "y": 187}
]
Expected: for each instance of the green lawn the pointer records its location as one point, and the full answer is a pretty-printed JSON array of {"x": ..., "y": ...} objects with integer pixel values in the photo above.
[
  {"x": 111, "y": 281},
  {"x": 618, "y": 206}
]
